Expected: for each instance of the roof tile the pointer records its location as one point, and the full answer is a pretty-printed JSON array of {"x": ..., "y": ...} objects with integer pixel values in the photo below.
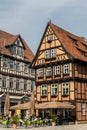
[{"x": 7, "y": 39}]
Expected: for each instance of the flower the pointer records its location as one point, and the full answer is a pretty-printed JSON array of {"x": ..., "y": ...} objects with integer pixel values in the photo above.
[
  {"x": 53, "y": 118},
  {"x": 14, "y": 119}
]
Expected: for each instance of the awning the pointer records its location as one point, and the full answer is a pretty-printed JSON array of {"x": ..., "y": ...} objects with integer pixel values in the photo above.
[
  {"x": 16, "y": 97},
  {"x": 54, "y": 104},
  {"x": 2, "y": 95},
  {"x": 21, "y": 106},
  {"x": 44, "y": 105}
]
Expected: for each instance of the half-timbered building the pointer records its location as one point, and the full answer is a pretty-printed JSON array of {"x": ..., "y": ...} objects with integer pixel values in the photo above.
[
  {"x": 16, "y": 77},
  {"x": 61, "y": 70}
]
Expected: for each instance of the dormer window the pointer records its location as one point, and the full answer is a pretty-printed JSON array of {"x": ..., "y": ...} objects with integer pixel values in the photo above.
[
  {"x": 50, "y": 38},
  {"x": 86, "y": 47},
  {"x": 83, "y": 53},
  {"x": 74, "y": 41},
  {"x": 5, "y": 62},
  {"x": 18, "y": 42}
]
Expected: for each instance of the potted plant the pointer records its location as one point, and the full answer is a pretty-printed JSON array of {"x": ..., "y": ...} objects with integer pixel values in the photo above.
[
  {"x": 53, "y": 120},
  {"x": 14, "y": 121}
]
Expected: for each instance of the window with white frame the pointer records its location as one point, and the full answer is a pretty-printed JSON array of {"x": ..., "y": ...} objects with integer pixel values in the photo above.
[
  {"x": 47, "y": 54},
  {"x": 40, "y": 72},
  {"x": 13, "y": 50},
  {"x": 25, "y": 85},
  {"x": 65, "y": 88},
  {"x": 54, "y": 89},
  {"x": 32, "y": 85},
  {"x": 11, "y": 83},
  {"x": 32, "y": 72},
  {"x": 17, "y": 66},
  {"x": 83, "y": 109},
  {"x": 57, "y": 70},
  {"x": 5, "y": 62},
  {"x": 53, "y": 53},
  {"x": 17, "y": 84},
  {"x": 44, "y": 90},
  {"x": 66, "y": 69},
  {"x": 48, "y": 71},
  {"x": 26, "y": 68},
  {"x": 17, "y": 50},
  {"x": 4, "y": 81},
  {"x": 12, "y": 64},
  {"x": 50, "y": 38}
]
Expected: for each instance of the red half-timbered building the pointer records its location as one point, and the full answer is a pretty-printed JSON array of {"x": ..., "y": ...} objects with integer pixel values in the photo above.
[{"x": 61, "y": 70}]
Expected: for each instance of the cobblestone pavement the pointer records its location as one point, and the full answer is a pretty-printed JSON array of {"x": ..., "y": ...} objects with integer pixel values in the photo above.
[{"x": 63, "y": 127}]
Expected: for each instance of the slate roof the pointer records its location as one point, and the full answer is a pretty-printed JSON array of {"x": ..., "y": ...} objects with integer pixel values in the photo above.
[{"x": 7, "y": 39}]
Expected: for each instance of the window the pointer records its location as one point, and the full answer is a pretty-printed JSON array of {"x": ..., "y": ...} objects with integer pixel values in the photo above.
[
  {"x": 18, "y": 42},
  {"x": 66, "y": 69},
  {"x": 40, "y": 72},
  {"x": 32, "y": 72},
  {"x": 17, "y": 50},
  {"x": 4, "y": 81},
  {"x": 83, "y": 109},
  {"x": 5, "y": 62},
  {"x": 25, "y": 85},
  {"x": 17, "y": 84},
  {"x": 54, "y": 89},
  {"x": 22, "y": 51},
  {"x": 65, "y": 88},
  {"x": 32, "y": 85},
  {"x": 50, "y": 38},
  {"x": 44, "y": 90},
  {"x": 50, "y": 53},
  {"x": 11, "y": 64},
  {"x": 26, "y": 68},
  {"x": 53, "y": 53},
  {"x": 14, "y": 50},
  {"x": 57, "y": 70},
  {"x": 83, "y": 53},
  {"x": 17, "y": 66},
  {"x": 47, "y": 54},
  {"x": 11, "y": 83},
  {"x": 48, "y": 71}
]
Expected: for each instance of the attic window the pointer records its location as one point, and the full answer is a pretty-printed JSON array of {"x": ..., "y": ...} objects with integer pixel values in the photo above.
[
  {"x": 83, "y": 53},
  {"x": 50, "y": 38},
  {"x": 18, "y": 42},
  {"x": 74, "y": 41},
  {"x": 86, "y": 47}
]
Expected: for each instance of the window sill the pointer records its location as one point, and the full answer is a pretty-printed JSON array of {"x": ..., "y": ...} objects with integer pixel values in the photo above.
[
  {"x": 54, "y": 95},
  {"x": 48, "y": 76},
  {"x": 43, "y": 96},
  {"x": 57, "y": 75},
  {"x": 65, "y": 95},
  {"x": 40, "y": 77},
  {"x": 65, "y": 74}
]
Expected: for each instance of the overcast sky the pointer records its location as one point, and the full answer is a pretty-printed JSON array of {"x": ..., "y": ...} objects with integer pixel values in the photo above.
[{"x": 29, "y": 17}]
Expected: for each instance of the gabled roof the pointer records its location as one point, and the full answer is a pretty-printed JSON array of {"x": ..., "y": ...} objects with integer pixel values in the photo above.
[
  {"x": 73, "y": 45},
  {"x": 7, "y": 39}
]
